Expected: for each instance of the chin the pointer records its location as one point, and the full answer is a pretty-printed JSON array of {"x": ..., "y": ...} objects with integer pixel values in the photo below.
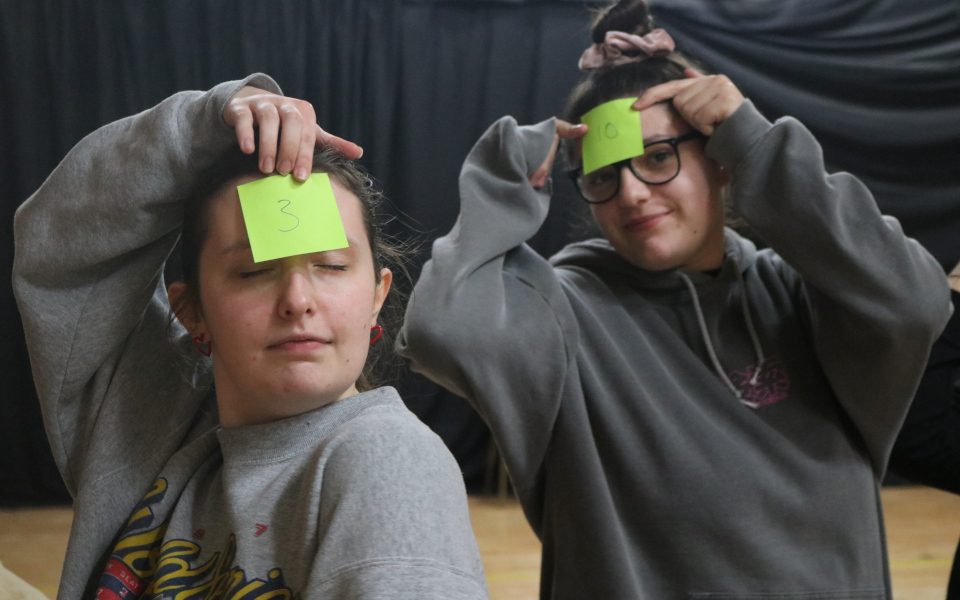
[
  {"x": 316, "y": 393},
  {"x": 656, "y": 263}
]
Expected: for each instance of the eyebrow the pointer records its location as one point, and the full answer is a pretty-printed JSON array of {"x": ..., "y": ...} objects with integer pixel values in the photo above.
[
  {"x": 240, "y": 246},
  {"x": 658, "y": 139},
  {"x": 662, "y": 138}
]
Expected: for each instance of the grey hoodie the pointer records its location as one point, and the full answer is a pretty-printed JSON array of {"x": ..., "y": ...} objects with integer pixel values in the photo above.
[
  {"x": 682, "y": 435},
  {"x": 357, "y": 499}
]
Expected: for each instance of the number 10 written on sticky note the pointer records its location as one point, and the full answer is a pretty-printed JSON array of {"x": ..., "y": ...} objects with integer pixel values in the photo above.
[
  {"x": 285, "y": 217},
  {"x": 614, "y": 134}
]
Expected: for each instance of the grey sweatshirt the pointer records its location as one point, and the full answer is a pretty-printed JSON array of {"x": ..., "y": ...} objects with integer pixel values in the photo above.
[
  {"x": 650, "y": 456},
  {"x": 357, "y": 499}
]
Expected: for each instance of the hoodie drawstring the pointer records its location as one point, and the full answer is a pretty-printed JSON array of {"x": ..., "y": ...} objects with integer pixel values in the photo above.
[{"x": 754, "y": 338}]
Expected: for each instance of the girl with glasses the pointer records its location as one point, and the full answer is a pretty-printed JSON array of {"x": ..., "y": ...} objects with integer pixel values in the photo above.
[
  {"x": 238, "y": 448},
  {"x": 682, "y": 414}
]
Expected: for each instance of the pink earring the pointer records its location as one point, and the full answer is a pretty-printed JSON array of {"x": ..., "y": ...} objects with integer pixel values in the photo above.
[
  {"x": 376, "y": 332},
  {"x": 203, "y": 347}
]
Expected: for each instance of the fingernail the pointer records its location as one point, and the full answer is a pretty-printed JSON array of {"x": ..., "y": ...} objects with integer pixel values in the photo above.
[
  {"x": 266, "y": 165},
  {"x": 284, "y": 167},
  {"x": 301, "y": 174}
]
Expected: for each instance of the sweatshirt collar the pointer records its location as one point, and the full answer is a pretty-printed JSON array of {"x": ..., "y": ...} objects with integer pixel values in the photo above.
[
  {"x": 599, "y": 256},
  {"x": 282, "y": 439}
]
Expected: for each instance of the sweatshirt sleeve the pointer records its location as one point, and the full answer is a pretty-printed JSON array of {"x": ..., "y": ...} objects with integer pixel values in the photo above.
[
  {"x": 90, "y": 246},
  {"x": 877, "y": 299},
  {"x": 487, "y": 318}
]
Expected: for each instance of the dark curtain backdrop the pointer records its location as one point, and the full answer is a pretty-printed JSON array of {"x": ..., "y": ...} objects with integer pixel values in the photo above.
[{"x": 416, "y": 82}]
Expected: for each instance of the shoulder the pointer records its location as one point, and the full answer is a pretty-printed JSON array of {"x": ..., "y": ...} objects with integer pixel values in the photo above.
[
  {"x": 386, "y": 447},
  {"x": 769, "y": 278},
  {"x": 393, "y": 503}
]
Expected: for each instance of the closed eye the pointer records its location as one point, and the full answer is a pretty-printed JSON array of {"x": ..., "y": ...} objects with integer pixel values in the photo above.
[
  {"x": 331, "y": 267},
  {"x": 255, "y": 273}
]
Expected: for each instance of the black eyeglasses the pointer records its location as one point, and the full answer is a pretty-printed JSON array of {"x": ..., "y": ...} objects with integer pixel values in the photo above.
[{"x": 659, "y": 164}]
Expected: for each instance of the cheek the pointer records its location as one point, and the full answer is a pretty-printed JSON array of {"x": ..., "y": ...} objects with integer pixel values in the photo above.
[
  {"x": 230, "y": 315},
  {"x": 353, "y": 327},
  {"x": 354, "y": 308},
  {"x": 603, "y": 217},
  {"x": 700, "y": 203}
]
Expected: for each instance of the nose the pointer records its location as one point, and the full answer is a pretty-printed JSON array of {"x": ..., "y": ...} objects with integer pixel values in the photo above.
[
  {"x": 296, "y": 296},
  {"x": 632, "y": 190}
]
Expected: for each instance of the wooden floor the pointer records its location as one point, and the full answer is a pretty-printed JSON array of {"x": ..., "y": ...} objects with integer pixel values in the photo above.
[{"x": 923, "y": 527}]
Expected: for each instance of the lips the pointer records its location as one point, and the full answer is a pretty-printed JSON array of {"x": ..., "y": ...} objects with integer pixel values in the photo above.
[
  {"x": 299, "y": 342},
  {"x": 645, "y": 222}
]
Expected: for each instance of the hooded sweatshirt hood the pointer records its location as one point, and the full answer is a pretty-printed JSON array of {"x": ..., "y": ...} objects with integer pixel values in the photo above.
[{"x": 599, "y": 256}]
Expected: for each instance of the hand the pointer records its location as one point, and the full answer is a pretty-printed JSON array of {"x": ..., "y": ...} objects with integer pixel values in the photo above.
[
  {"x": 565, "y": 130},
  {"x": 704, "y": 101},
  {"x": 953, "y": 278},
  {"x": 288, "y": 131}
]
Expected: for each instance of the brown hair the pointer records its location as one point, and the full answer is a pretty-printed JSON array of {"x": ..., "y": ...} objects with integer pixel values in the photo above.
[{"x": 624, "y": 80}]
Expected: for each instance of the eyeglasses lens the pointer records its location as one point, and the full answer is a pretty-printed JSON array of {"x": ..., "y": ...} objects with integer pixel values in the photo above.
[{"x": 658, "y": 164}]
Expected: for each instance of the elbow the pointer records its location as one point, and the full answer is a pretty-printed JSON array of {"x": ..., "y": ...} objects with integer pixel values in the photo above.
[
  {"x": 428, "y": 333},
  {"x": 929, "y": 311}
]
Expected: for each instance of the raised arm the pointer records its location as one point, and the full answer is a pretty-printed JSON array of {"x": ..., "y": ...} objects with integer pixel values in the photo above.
[
  {"x": 487, "y": 318},
  {"x": 91, "y": 244},
  {"x": 877, "y": 300}
]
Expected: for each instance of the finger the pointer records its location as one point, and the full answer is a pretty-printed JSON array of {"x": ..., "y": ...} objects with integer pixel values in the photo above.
[
  {"x": 242, "y": 120},
  {"x": 693, "y": 97},
  {"x": 693, "y": 105},
  {"x": 702, "y": 113},
  {"x": 304, "y": 164},
  {"x": 539, "y": 177},
  {"x": 291, "y": 127},
  {"x": 268, "y": 121},
  {"x": 344, "y": 147},
  {"x": 308, "y": 140},
  {"x": 569, "y": 131},
  {"x": 706, "y": 106},
  {"x": 662, "y": 92}
]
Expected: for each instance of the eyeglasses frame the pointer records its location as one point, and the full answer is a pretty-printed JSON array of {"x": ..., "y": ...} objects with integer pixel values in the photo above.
[{"x": 674, "y": 142}]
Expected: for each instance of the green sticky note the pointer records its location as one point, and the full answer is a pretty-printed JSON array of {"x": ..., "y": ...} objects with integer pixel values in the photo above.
[
  {"x": 285, "y": 217},
  {"x": 614, "y": 134}
]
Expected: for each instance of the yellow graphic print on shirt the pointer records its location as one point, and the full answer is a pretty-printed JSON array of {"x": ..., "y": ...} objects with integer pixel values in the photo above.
[{"x": 142, "y": 565}]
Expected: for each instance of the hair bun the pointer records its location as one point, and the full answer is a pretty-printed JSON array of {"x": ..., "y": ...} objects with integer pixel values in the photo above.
[{"x": 629, "y": 16}]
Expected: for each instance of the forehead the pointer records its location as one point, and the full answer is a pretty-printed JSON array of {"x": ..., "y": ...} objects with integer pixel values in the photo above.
[
  {"x": 661, "y": 120},
  {"x": 226, "y": 226}
]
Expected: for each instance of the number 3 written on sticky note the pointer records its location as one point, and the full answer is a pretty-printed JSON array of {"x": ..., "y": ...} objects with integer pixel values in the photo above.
[
  {"x": 614, "y": 134},
  {"x": 285, "y": 217}
]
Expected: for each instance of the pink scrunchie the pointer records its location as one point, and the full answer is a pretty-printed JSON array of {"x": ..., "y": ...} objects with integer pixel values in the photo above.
[{"x": 615, "y": 43}]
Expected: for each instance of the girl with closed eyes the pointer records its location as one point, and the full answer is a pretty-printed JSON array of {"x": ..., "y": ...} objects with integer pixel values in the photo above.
[{"x": 272, "y": 468}]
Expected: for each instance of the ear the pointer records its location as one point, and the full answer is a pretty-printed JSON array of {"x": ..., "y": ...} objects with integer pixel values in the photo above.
[
  {"x": 380, "y": 293},
  {"x": 184, "y": 308}
]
